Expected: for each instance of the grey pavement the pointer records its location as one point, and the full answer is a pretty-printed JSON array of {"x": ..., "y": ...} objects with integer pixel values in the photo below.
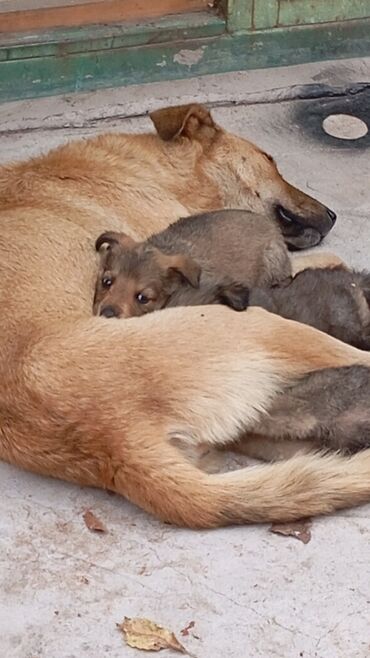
[{"x": 250, "y": 593}]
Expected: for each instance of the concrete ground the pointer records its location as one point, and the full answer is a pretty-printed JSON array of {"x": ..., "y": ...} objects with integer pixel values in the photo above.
[{"x": 250, "y": 593}]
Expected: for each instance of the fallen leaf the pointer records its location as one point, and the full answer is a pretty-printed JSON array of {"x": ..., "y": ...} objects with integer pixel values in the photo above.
[
  {"x": 185, "y": 631},
  {"x": 93, "y": 523},
  {"x": 144, "y": 634},
  {"x": 298, "y": 529}
]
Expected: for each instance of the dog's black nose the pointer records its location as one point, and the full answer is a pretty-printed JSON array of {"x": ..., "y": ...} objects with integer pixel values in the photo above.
[
  {"x": 332, "y": 215},
  {"x": 109, "y": 312}
]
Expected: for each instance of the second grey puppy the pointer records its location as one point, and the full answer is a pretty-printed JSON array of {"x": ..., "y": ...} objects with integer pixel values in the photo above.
[{"x": 335, "y": 301}]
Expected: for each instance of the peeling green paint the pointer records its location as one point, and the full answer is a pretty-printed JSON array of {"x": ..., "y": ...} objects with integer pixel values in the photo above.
[
  {"x": 302, "y": 12},
  {"x": 265, "y": 14},
  {"x": 239, "y": 15},
  {"x": 83, "y": 59},
  {"x": 60, "y": 41}
]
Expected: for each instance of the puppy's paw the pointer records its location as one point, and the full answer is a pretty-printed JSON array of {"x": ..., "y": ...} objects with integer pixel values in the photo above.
[{"x": 235, "y": 295}]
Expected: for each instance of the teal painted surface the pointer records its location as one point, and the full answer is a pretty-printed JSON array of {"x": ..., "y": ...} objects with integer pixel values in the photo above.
[
  {"x": 302, "y": 12},
  {"x": 65, "y": 73},
  {"x": 239, "y": 15},
  {"x": 61, "y": 42},
  {"x": 265, "y": 13}
]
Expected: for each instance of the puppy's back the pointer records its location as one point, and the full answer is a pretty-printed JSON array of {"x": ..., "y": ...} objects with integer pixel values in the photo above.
[
  {"x": 333, "y": 300},
  {"x": 235, "y": 243},
  {"x": 329, "y": 407}
]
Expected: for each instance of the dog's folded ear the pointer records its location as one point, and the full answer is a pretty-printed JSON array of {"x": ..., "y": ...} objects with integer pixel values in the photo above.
[
  {"x": 112, "y": 238},
  {"x": 235, "y": 295},
  {"x": 191, "y": 121},
  {"x": 183, "y": 266}
]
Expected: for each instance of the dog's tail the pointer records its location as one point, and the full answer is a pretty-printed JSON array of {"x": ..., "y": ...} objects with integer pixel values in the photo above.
[{"x": 305, "y": 485}]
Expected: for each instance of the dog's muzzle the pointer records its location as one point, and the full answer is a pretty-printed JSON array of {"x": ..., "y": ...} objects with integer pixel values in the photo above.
[{"x": 299, "y": 233}]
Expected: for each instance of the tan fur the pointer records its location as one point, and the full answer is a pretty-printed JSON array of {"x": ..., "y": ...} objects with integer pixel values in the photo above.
[
  {"x": 99, "y": 402},
  {"x": 320, "y": 260}
]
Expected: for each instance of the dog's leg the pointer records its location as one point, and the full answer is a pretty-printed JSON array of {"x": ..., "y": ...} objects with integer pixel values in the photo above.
[
  {"x": 269, "y": 449},
  {"x": 202, "y": 456},
  {"x": 315, "y": 260}
]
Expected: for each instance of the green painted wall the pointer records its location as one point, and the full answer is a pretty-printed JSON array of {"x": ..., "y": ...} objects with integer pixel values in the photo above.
[{"x": 254, "y": 34}]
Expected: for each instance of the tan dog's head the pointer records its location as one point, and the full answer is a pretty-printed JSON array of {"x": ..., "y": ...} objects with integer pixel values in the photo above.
[
  {"x": 136, "y": 278},
  {"x": 246, "y": 176}
]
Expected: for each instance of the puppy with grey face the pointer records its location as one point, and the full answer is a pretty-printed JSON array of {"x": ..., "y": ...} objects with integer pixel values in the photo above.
[{"x": 213, "y": 258}]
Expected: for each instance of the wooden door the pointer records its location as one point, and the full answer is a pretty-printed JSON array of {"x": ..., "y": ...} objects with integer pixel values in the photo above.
[{"x": 32, "y": 15}]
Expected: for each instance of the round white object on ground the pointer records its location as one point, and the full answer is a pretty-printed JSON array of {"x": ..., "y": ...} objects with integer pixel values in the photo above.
[{"x": 344, "y": 126}]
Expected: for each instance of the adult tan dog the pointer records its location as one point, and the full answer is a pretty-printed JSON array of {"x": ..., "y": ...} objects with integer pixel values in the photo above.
[{"x": 98, "y": 402}]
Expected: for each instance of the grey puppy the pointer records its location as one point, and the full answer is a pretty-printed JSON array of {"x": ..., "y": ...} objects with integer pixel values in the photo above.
[
  {"x": 334, "y": 300},
  {"x": 329, "y": 408}
]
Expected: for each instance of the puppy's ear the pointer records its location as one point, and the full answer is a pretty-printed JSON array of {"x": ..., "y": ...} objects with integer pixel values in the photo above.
[
  {"x": 235, "y": 295},
  {"x": 183, "y": 121},
  {"x": 111, "y": 238},
  {"x": 183, "y": 266}
]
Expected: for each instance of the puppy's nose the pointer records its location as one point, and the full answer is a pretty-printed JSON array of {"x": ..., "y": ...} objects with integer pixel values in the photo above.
[
  {"x": 332, "y": 215},
  {"x": 109, "y": 312}
]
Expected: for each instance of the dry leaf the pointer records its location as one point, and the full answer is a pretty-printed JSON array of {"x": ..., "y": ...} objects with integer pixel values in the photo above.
[
  {"x": 93, "y": 523},
  {"x": 63, "y": 526},
  {"x": 185, "y": 631},
  {"x": 298, "y": 529},
  {"x": 148, "y": 636}
]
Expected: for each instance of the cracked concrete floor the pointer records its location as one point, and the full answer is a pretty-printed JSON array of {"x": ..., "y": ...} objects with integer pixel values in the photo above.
[{"x": 250, "y": 593}]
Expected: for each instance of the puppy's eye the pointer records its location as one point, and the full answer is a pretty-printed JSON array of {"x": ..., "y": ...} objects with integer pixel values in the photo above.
[
  {"x": 107, "y": 281},
  {"x": 142, "y": 299}
]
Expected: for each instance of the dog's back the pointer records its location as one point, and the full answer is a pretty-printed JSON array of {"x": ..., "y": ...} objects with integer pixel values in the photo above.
[
  {"x": 237, "y": 244},
  {"x": 334, "y": 300}
]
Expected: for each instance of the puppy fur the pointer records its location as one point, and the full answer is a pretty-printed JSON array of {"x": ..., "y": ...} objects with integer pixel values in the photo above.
[
  {"x": 329, "y": 408},
  {"x": 204, "y": 259},
  {"x": 334, "y": 300}
]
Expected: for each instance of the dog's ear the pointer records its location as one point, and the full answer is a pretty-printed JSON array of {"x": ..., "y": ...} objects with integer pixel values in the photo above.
[
  {"x": 183, "y": 266},
  {"x": 111, "y": 238},
  {"x": 235, "y": 295},
  {"x": 183, "y": 120}
]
